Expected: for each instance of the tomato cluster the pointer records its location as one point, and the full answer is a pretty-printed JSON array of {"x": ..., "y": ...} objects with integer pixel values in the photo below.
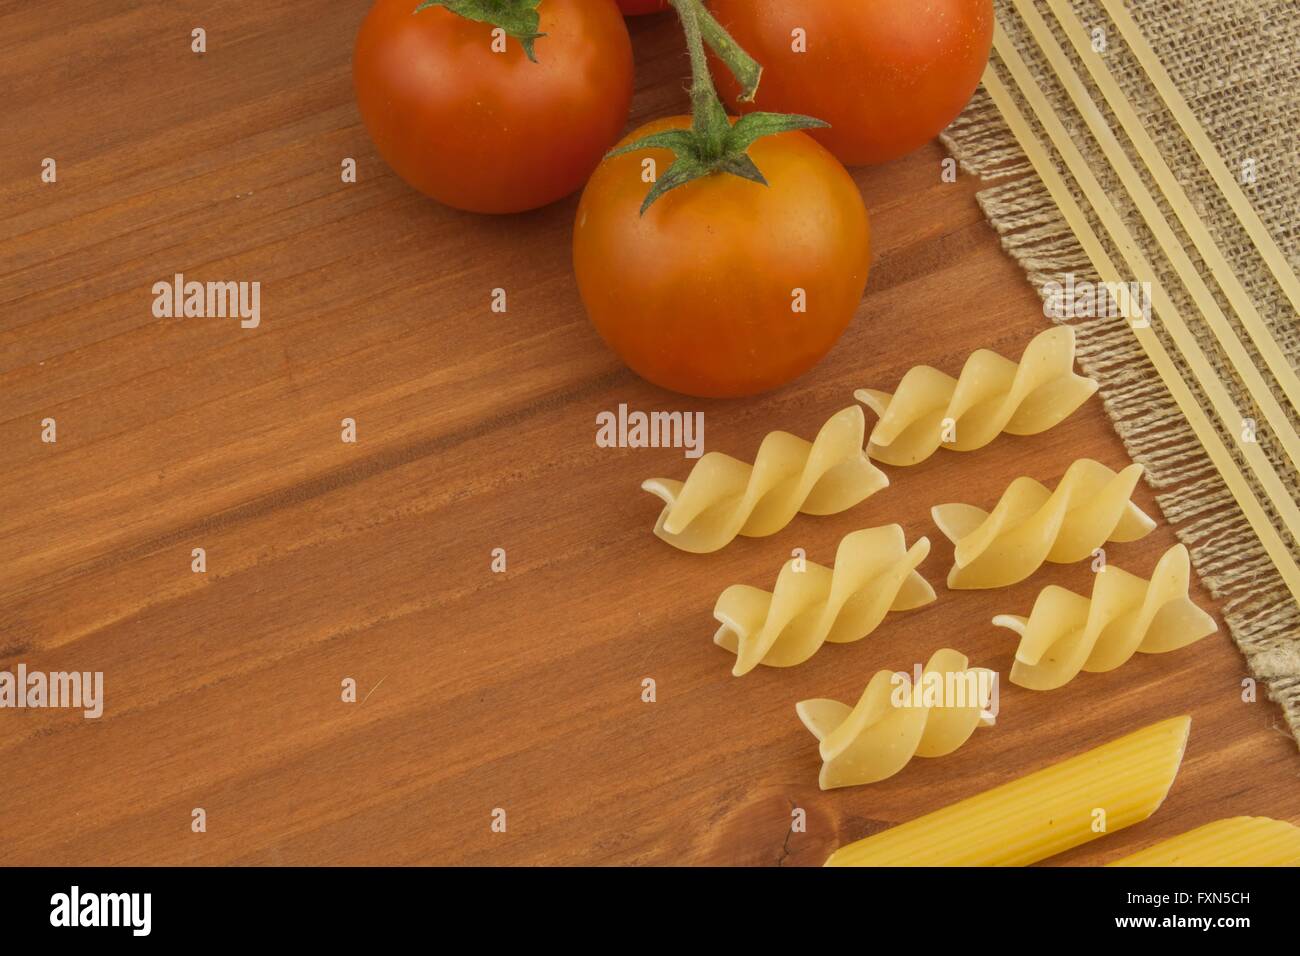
[{"x": 716, "y": 260}]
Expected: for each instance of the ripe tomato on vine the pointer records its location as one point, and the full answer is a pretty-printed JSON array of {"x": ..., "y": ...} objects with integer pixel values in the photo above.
[
  {"x": 721, "y": 257},
  {"x": 496, "y": 105},
  {"x": 887, "y": 75}
]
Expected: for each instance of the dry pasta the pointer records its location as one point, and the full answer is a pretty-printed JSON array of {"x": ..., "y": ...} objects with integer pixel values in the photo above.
[
  {"x": 992, "y": 395},
  {"x": 1041, "y": 814},
  {"x": 723, "y": 497},
  {"x": 1031, "y": 524},
  {"x": 874, "y": 573},
  {"x": 1066, "y": 633},
  {"x": 896, "y": 719},
  {"x": 1256, "y": 461},
  {"x": 1237, "y": 841}
]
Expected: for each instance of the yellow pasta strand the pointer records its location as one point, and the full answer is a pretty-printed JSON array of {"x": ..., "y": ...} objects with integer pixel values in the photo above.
[
  {"x": 1173, "y": 250},
  {"x": 1031, "y": 525},
  {"x": 874, "y": 573},
  {"x": 1204, "y": 428},
  {"x": 894, "y": 720},
  {"x": 1178, "y": 108},
  {"x": 1066, "y": 633},
  {"x": 1269, "y": 349},
  {"x": 723, "y": 497},
  {"x": 992, "y": 395},
  {"x": 1236, "y": 841},
  {"x": 1041, "y": 814}
]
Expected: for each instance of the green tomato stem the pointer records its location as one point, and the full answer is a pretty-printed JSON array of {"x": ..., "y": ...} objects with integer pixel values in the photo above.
[
  {"x": 747, "y": 71},
  {"x": 710, "y": 117},
  {"x": 713, "y": 144}
]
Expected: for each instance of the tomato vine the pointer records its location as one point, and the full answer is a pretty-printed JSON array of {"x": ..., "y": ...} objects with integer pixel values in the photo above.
[{"x": 714, "y": 143}]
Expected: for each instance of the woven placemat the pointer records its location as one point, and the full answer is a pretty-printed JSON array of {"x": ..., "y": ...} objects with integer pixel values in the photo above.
[{"x": 1237, "y": 65}]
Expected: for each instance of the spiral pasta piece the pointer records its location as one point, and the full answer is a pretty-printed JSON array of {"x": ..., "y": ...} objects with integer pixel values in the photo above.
[
  {"x": 874, "y": 573},
  {"x": 1066, "y": 633},
  {"x": 1031, "y": 524},
  {"x": 895, "y": 719},
  {"x": 723, "y": 497},
  {"x": 992, "y": 395}
]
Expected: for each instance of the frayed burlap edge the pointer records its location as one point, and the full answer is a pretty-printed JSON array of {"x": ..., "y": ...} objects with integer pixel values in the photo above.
[{"x": 1261, "y": 616}]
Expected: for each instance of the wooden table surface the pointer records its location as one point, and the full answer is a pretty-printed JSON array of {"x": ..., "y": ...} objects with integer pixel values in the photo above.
[{"x": 371, "y": 561}]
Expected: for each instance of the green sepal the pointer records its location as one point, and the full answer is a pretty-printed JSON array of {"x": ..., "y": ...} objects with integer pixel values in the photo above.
[
  {"x": 754, "y": 126},
  {"x": 677, "y": 140},
  {"x": 744, "y": 167},
  {"x": 697, "y": 154},
  {"x": 713, "y": 144},
  {"x": 686, "y": 168},
  {"x": 519, "y": 18}
]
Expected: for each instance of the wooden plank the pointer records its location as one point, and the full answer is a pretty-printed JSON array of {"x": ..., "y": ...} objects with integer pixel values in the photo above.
[{"x": 476, "y": 431}]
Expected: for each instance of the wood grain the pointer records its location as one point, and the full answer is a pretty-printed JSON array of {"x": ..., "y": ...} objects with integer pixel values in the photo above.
[{"x": 476, "y": 431}]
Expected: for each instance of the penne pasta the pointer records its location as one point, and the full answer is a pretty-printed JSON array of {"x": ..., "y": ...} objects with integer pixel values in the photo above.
[
  {"x": 1236, "y": 841},
  {"x": 1039, "y": 815}
]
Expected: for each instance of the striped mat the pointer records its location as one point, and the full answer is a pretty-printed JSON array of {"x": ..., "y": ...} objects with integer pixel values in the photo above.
[{"x": 1144, "y": 170}]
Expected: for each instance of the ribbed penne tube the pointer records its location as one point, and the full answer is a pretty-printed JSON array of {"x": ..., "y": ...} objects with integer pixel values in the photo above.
[
  {"x": 932, "y": 410},
  {"x": 874, "y": 573},
  {"x": 1066, "y": 633},
  {"x": 1041, "y": 814},
  {"x": 723, "y": 497},
  {"x": 1236, "y": 841},
  {"x": 896, "y": 719},
  {"x": 1031, "y": 524}
]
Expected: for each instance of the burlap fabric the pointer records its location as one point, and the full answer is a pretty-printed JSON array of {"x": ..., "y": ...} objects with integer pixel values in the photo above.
[{"x": 1237, "y": 63}]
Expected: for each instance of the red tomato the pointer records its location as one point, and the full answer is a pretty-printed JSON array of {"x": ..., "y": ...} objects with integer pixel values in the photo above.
[
  {"x": 633, "y": 8},
  {"x": 699, "y": 295},
  {"x": 888, "y": 75},
  {"x": 492, "y": 131}
]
